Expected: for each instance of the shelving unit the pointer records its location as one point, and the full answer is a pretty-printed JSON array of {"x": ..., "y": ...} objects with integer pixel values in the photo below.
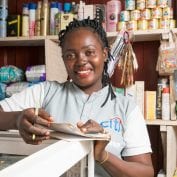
[{"x": 55, "y": 70}]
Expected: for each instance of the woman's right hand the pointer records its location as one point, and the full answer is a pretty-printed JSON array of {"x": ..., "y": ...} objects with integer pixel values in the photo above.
[{"x": 32, "y": 127}]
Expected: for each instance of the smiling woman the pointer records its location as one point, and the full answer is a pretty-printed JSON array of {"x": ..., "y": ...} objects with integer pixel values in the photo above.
[{"x": 88, "y": 101}]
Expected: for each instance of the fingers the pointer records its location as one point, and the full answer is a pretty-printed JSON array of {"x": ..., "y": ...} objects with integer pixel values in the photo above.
[
  {"x": 29, "y": 126},
  {"x": 33, "y": 138},
  {"x": 90, "y": 126}
]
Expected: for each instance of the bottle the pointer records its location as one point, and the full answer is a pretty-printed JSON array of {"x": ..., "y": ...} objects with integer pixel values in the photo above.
[
  {"x": 45, "y": 18},
  {"x": 113, "y": 9},
  {"x": 67, "y": 16},
  {"x": 3, "y": 17},
  {"x": 80, "y": 13},
  {"x": 58, "y": 19},
  {"x": 166, "y": 103},
  {"x": 32, "y": 18},
  {"x": 38, "y": 19},
  {"x": 53, "y": 12},
  {"x": 25, "y": 20}
]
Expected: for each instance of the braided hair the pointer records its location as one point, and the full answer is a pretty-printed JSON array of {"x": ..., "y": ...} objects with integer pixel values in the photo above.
[{"x": 97, "y": 28}]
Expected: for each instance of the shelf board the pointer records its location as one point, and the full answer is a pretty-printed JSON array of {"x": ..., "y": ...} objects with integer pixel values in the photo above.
[
  {"x": 23, "y": 41},
  {"x": 161, "y": 122},
  {"x": 140, "y": 35},
  {"x": 145, "y": 35}
]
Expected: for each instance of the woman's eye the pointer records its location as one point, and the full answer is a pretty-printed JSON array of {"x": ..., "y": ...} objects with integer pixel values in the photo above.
[
  {"x": 90, "y": 53},
  {"x": 69, "y": 56}
]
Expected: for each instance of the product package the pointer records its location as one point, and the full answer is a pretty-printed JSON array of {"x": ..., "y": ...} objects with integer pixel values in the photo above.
[{"x": 35, "y": 73}]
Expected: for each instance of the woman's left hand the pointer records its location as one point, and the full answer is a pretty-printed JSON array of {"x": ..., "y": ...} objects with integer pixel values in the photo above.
[{"x": 92, "y": 126}]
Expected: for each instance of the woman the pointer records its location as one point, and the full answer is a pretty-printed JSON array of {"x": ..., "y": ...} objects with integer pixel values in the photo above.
[{"x": 89, "y": 101}]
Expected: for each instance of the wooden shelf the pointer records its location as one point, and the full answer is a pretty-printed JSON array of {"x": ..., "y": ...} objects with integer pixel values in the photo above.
[
  {"x": 145, "y": 35},
  {"x": 140, "y": 35},
  {"x": 161, "y": 122}
]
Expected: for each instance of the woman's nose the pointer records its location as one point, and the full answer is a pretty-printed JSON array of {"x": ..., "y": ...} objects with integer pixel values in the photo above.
[{"x": 82, "y": 59}]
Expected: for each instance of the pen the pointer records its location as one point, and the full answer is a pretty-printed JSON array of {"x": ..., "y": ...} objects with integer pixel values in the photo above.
[{"x": 36, "y": 111}]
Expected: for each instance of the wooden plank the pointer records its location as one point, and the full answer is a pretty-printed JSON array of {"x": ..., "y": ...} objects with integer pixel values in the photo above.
[
  {"x": 54, "y": 62},
  {"x": 53, "y": 160},
  {"x": 171, "y": 151}
]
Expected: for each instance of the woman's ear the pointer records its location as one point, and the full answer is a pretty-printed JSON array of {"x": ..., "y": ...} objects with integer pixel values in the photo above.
[{"x": 105, "y": 54}]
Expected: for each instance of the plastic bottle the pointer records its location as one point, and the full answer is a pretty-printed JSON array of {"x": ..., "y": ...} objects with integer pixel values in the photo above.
[
  {"x": 45, "y": 18},
  {"x": 3, "y": 17},
  {"x": 25, "y": 20},
  {"x": 166, "y": 103},
  {"x": 38, "y": 19},
  {"x": 53, "y": 12},
  {"x": 80, "y": 14},
  {"x": 58, "y": 19},
  {"x": 113, "y": 9},
  {"x": 32, "y": 18}
]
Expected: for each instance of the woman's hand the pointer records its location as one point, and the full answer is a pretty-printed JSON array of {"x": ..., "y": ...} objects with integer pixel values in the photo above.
[
  {"x": 32, "y": 127},
  {"x": 92, "y": 126}
]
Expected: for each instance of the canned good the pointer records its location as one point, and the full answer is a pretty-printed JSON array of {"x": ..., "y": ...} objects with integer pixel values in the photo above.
[
  {"x": 3, "y": 30},
  {"x": 122, "y": 26},
  {"x": 142, "y": 24},
  {"x": 172, "y": 23},
  {"x": 145, "y": 14},
  {"x": 132, "y": 25},
  {"x": 130, "y": 4},
  {"x": 167, "y": 13},
  {"x": 140, "y": 4},
  {"x": 153, "y": 24},
  {"x": 124, "y": 16},
  {"x": 156, "y": 12},
  {"x": 135, "y": 15},
  {"x": 162, "y": 3},
  {"x": 150, "y": 4},
  {"x": 164, "y": 24}
]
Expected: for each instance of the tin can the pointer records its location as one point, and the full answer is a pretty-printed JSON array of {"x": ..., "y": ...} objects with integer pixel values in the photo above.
[
  {"x": 156, "y": 12},
  {"x": 145, "y": 14},
  {"x": 122, "y": 25},
  {"x": 135, "y": 14},
  {"x": 132, "y": 25},
  {"x": 124, "y": 16},
  {"x": 150, "y": 4},
  {"x": 3, "y": 9},
  {"x": 129, "y": 4},
  {"x": 153, "y": 24},
  {"x": 140, "y": 4},
  {"x": 162, "y": 3},
  {"x": 3, "y": 28},
  {"x": 142, "y": 25},
  {"x": 164, "y": 24},
  {"x": 172, "y": 23},
  {"x": 167, "y": 13}
]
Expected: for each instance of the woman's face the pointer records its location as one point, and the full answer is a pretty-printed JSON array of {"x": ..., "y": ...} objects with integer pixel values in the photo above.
[{"x": 84, "y": 59}]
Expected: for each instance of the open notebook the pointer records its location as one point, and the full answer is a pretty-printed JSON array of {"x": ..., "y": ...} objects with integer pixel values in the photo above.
[{"x": 70, "y": 132}]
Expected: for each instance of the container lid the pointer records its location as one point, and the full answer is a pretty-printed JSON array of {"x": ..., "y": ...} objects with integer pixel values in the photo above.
[
  {"x": 25, "y": 5},
  {"x": 3, "y": 3},
  {"x": 67, "y": 7},
  {"x": 60, "y": 8},
  {"x": 53, "y": 5},
  {"x": 32, "y": 5},
  {"x": 166, "y": 90}
]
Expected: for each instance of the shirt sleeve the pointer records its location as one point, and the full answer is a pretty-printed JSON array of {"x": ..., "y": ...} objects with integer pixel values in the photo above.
[
  {"x": 136, "y": 135},
  {"x": 29, "y": 98}
]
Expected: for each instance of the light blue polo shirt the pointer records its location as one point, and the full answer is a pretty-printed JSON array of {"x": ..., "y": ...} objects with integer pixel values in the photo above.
[{"x": 67, "y": 103}]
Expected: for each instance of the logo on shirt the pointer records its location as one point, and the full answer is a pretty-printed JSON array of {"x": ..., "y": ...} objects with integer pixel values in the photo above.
[{"x": 115, "y": 124}]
